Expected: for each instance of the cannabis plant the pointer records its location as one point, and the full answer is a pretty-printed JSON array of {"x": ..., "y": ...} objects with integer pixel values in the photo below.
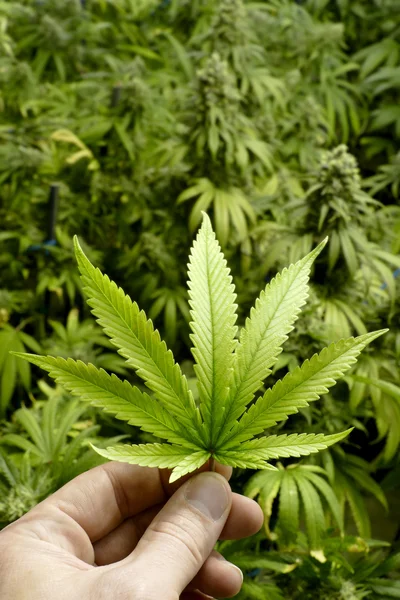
[
  {"x": 43, "y": 448},
  {"x": 294, "y": 483},
  {"x": 21, "y": 487},
  {"x": 229, "y": 371},
  {"x": 13, "y": 372}
]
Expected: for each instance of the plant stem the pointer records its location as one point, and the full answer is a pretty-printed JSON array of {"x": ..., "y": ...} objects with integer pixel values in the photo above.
[
  {"x": 23, "y": 323},
  {"x": 212, "y": 464}
]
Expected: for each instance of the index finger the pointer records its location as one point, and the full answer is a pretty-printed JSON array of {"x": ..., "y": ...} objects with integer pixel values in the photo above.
[{"x": 102, "y": 498}]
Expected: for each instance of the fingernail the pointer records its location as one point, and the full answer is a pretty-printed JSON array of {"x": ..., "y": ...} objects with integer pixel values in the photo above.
[
  {"x": 208, "y": 493},
  {"x": 235, "y": 568},
  {"x": 230, "y": 565}
]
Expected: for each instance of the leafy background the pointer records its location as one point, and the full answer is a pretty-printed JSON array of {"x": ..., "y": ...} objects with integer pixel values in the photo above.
[{"x": 120, "y": 121}]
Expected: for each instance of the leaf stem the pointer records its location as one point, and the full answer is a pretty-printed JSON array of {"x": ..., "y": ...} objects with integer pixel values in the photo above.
[
  {"x": 23, "y": 323},
  {"x": 212, "y": 463}
]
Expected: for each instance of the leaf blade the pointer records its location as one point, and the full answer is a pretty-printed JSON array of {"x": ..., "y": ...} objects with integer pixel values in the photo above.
[
  {"x": 289, "y": 506},
  {"x": 284, "y": 446},
  {"x": 213, "y": 311},
  {"x": 271, "y": 319},
  {"x": 117, "y": 397},
  {"x": 163, "y": 456},
  {"x": 189, "y": 464},
  {"x": 327, "y": 492},
  {"x": 313, "y": 512},
  {"x": 139, "y": 343},
  {"x": 299, "y": 387}
]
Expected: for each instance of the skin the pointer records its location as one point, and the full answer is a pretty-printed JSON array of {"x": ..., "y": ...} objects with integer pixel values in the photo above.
[{"x": 122, "y": 532}]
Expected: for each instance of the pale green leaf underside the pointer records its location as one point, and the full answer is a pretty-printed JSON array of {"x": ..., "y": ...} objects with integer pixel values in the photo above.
[
  {"x": 299, "y": 387},
  {"x": 138, "y": 342},
  {"x": 213, "y": 310},
  {"x": 282, "y": 446},
  {"x": 267, "y": 328},
  {"x": 189, "y": 464},
  {"x": 163, "y": 456},
  {"x": 242, "y": 462},
  {"x": 117, "y": 397}
]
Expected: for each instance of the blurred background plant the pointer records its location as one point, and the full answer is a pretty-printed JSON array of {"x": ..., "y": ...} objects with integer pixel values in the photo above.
[{"x": 120, "y": 122}]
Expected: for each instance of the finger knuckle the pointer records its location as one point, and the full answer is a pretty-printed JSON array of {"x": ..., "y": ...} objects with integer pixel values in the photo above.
[{"x": 187, "y": 537}]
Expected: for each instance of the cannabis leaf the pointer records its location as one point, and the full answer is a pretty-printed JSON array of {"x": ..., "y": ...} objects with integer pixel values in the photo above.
[
  {"x": 138, "y": 342},
  {"x": 229, "y": 371},
  {"x": 299, "y": 387},
  {"x": 300, "y": 489}
]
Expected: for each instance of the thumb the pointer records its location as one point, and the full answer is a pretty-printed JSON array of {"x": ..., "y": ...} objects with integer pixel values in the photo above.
[{"x": 183, "y": 534}]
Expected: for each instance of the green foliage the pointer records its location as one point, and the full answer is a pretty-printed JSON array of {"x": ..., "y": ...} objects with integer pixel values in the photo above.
[
  {"x": 348, "y": 569},
  {"x": 43, "y": 448},
  {"x": 11, "y": 371},
  {"x": 343, "y": 470},
  {"x": 21, "y": 487},
  {"x": 82, "y": 341},
  {"x": 353, "y": 570},
  {"x": 297, "y": 483},
  {"x": 121, "y": 121}
]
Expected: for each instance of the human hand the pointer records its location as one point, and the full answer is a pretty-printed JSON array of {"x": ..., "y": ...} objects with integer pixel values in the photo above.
[{"x": 122, "y": 532}]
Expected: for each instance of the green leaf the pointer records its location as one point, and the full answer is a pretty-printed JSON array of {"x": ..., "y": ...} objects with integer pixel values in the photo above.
[
  {"x": 163, "y": 456},
  {"x": 359, "y": 511},
  {"x": 126, "y": 140},
  {"x": 259, "y": 481},
  {"x": 63, "y": 422},
  {"x": 203, "y": 185},
  {"x": 390, "y": 565},
  {"x": 249, "y": 561},
  {"x": 271, "y": 319},
  {"x": 212, "y": 300},
  {"x": 253, "y": 590},
  {"x": 8, "y": 470},
  {"x": 242, "y": 460},
  {"x": 23, "y": 368},
  {"x": 349, "y": 252},
  {"x": 8, "y": 382},
  {"x": 299, "y": 387},
  {"x": 325, "y": 489},
  {"x": 364, "y": 480},
  {"x": 139, "y": 343},
  {"x": 391, "y": 389},
  {"x": 282, "y": 446},
  {"x": 189, "y": 464},
  {"x": 114, "y": 396},
  {"x": 385, "y": 588},
  {"x": 266, "y": 485},
  {"x": 181, "y": 54},
  {"x": 313, "y": 511},
  {"x": 28, "y": 421},
  {"x": 11, "y": 371},
  {"x": 18, "y": 441},
  {"x": 289, "y": 504}
]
